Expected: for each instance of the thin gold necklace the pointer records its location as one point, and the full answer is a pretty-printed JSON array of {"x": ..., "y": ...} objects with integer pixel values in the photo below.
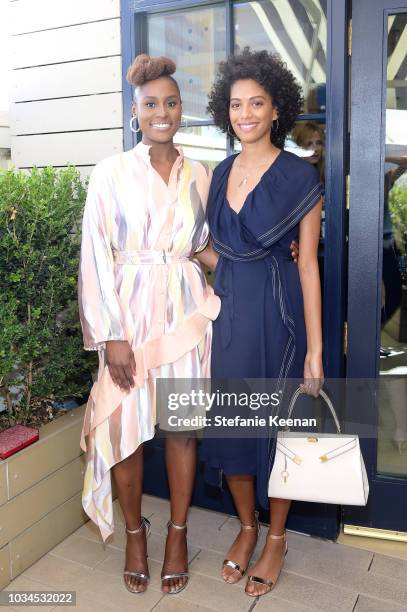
[{"x": 246, "y": 176}]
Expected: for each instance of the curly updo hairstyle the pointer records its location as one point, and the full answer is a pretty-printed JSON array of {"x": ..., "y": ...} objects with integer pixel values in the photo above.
[
  {"x": 146, "y": 68},
  {"x": 272, "y": 74}
]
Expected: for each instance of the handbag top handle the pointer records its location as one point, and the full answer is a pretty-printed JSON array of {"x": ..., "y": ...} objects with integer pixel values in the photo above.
[{"x": 324, "y": 396}]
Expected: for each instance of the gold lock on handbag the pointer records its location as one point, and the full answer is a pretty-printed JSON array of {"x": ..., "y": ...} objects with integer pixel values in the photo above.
[{"x": 325, "y": 468}]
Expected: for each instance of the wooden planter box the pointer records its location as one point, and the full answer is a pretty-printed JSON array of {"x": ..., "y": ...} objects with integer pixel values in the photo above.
[{"x": 40, "y": 495}]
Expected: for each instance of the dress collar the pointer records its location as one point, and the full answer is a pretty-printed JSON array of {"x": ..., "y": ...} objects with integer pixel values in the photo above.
[{"x": 144, "y": 151}]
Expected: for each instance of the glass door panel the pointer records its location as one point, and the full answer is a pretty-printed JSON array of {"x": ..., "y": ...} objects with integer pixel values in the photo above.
[
  {"x": 392, "y": 434},
  {"x": 376, "y": 307}
]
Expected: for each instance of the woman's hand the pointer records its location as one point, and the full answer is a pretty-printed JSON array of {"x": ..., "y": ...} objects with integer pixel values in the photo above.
[
  {"x": 313, "y": 374},
  {"x": 208, "y": 257},
  {"x": 121, "y": 363},
  {"x": 295, "y": 250}
]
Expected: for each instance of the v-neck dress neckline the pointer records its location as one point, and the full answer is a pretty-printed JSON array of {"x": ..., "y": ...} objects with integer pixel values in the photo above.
[{"x": 252, "y": 191}]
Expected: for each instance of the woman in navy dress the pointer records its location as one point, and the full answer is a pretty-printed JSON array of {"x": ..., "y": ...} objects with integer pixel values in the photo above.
[{"x": 270, "y": 321}]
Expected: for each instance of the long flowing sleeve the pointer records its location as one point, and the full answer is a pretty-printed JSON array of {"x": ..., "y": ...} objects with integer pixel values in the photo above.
[
  {"x": 203, "y": 181},
  {"x": 99, "y": 306}
]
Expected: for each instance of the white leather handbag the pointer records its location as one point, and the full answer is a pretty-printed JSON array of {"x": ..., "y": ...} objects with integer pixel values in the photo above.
[{"x": 325, "y": 468}]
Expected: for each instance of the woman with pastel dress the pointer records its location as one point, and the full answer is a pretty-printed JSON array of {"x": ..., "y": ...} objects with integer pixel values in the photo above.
[
  {"x": 146, "y": 307},
  {"x": 270, "y": 320}
]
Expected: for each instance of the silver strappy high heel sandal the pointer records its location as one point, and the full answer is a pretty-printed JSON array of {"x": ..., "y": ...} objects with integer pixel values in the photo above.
[
  {"x": 176, "y": 574},
  {"x": 144, "y": 524},
  {"x": 235, "y": 566},
  {"x": 270, "y": 584}
]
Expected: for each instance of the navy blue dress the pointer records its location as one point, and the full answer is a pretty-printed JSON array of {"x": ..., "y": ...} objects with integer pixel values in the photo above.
[{"x": 260, "y": 331}]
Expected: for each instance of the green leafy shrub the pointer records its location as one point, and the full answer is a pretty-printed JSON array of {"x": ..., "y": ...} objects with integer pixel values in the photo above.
[
  {"x": 398, "y": 212},
  {"x": 41, "y": 354}
]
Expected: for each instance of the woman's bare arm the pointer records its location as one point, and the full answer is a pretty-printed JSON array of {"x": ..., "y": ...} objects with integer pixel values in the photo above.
[{"x": 311, "y": 290}]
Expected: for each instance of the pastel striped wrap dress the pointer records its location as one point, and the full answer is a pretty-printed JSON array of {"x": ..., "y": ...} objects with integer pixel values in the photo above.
[{"x": 139, "y": 281}]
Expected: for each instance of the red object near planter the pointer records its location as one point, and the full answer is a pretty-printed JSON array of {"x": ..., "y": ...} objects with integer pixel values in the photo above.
[{"x": 15, "y": 438}]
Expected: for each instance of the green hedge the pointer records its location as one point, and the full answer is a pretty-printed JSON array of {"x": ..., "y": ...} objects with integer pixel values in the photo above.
[{"x": 41, "y": 355}]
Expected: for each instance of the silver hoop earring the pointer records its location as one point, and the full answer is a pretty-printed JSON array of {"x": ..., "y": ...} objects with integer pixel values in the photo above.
[
  {"x": 275, "y": 129},
  {"x": 131, "y": 125},
  {"x": 185, "y": 122}
]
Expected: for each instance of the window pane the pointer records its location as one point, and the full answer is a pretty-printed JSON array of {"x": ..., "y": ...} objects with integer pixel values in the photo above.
[
  {"x": 196, "y": 40},
  {"x": 296, "y": 30},
  {"x": 205, "y": 143}
]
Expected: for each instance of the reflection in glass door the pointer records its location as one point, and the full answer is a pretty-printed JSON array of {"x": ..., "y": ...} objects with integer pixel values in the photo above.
[
  {"x": 392, "y": 434},
  {"x": 195, "y": 39}
]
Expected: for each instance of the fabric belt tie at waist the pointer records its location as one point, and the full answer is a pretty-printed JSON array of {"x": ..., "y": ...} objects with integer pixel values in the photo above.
[
  {"x": 149, "y": 258},
  {"x": 224, "y": 289}
]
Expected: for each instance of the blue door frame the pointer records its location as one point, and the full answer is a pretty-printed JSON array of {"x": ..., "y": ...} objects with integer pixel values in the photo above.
[
  {"x": 387, "y": 504},
  {"x": 316, "y": 519}
]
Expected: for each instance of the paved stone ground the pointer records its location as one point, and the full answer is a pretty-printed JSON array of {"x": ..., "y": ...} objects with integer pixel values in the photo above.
[{"x": 318, "y": 575}]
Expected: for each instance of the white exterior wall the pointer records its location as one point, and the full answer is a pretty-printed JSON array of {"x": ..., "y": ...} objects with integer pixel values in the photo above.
[
  {"x": 66, "y": 91},
  {"x": 4, "y": 140}
]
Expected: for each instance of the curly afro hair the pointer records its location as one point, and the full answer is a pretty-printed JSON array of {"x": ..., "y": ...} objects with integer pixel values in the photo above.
[
  {"x": 272, "y": 74},
  {"x": 146, "y": 68}
]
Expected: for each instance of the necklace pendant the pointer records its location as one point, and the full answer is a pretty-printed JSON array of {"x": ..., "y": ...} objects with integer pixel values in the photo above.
[{"x": 243, "y": 181}]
